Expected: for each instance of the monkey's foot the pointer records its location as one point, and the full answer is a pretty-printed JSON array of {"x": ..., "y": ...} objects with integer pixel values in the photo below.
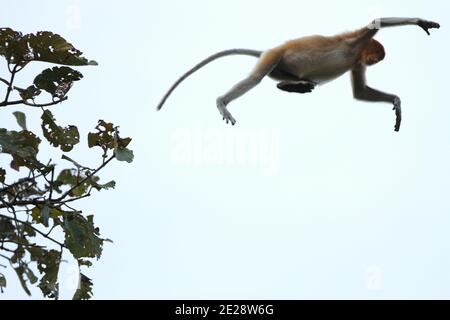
[
  {"x": 302, "y": 86},
  {"x": 225, "y": 113}
]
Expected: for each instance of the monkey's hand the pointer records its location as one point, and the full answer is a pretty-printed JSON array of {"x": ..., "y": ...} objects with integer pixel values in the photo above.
[
  {"x": 426, "y": 25},
  {"x": 398, "y": 113}
]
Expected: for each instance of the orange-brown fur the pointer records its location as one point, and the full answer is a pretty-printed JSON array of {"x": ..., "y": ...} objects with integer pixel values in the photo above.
[
  {"x": 305, "y": 63},
  {"x": 372, "y": 53}
]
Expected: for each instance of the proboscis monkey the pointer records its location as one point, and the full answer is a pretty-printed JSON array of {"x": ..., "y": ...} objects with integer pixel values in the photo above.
[{"x": 302, "y": 64}]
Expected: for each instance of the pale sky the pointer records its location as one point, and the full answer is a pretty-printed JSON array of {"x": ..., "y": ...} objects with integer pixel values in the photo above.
[{"x": 308, "y": 196}]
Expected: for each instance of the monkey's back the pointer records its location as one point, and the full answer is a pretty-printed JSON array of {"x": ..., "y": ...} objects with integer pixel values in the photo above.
[{"x": 317, "y": 58}]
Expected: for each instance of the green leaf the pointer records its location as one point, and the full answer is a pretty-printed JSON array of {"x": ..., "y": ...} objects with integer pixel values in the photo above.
[
  {"x": 57, "y": 81},
  {"x": 22, "y": 146},
  {"x": 21, "y": 119},
  {"x": 82, "y": 238},
  {"x": 33, "y": 279},
  {"x": 93, "y": 139},
  {"x": 124, "y": 154},
  {"x": 42, "y": 46},
  {"x": 2, "y": 175},
  {"x": 48, "y": 265},
  {"x": 8, "y": 42},
  {"x": 2, "y": 282},
  {"x": 21, "y": 272},
  {"x": 84, "y": 291},
  {"x": 120, "y": 150},
  {"x": 106, "y": 186},
  {"x": 18, "y": 255},
  {"x": 65, "y": 138},
  {"x": 48, "y": 262},
  {"x": 104, "y": 138},
  {"x": 7, "y": 229},
  {"x": 45, "y": 215},
  {"x": 36, "y": 253},
  {"x": 50, "y": 47},
  {"x": 29, "y": 93},
  {"x": 71, "y": 178},
  {"x": 36, "y": 214}
]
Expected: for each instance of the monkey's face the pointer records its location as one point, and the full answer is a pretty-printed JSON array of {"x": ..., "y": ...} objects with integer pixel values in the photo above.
[
  {"x": 373, "y": 53},
  {"x": 373, "y": 59}
]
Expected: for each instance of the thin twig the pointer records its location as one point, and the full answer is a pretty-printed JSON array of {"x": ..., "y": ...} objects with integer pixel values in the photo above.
[
  {"x": 34, "y": 202},
  {"x": 51, "y": 229},
  {"x": 3, "y": 256},
  {"x": 78, "y": 198},
  {"x": 85, "y": 179},
  {"x": 6, "y": 249},
  {"x": 51, "y": 184},
  {"x": 10, "y": 103},
  {"x": 23, "y": 244},
  {"x": 35, "y": 229},
  {"x": 10, "y": 87},
  {"x": 13, "y": 210}
]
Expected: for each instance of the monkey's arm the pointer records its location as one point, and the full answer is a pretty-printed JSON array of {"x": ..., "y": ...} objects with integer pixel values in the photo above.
[
  {"x": 361, "y": 91},
  {"x": 394, "y": 22}
]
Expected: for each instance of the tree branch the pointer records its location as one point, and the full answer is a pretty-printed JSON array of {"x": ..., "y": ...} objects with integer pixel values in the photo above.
[
  {"x": 78, "y": 198},
  {"x": 35, "y": 229},
  {"x": 23, "y": 203},
  {"x": 51, "y": 184},
  {"x": 85, "y": 179},
  {"x": 36, "y": 105},
  {"x": 17, "y": 183},
  {"x": 5, "y": 257},
  {"x": 10, "y": 86}
]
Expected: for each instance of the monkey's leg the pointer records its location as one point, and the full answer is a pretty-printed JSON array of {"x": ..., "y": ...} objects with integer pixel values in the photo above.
[
  {"x": 302, "y": 86},
  {"x": 265, "y": 65},
  {"x": 238, "y": 90}
]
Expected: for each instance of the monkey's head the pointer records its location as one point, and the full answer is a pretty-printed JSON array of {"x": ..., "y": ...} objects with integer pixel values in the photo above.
[{"x": 373, "y": 53}]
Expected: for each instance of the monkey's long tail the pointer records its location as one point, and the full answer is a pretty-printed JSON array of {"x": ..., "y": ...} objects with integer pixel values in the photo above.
[{"x": 231, "y": 52}]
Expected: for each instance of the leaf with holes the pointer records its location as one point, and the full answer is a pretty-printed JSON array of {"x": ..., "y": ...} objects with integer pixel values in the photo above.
[
  {"x": 22, "y": 146},
  {"x": 42, "y": 46},
  {"x": 104, "y": 138},
  {"x": 8, "y": 41},
  {"x": 65, "y": 138},
  {"x": 84, "y": 291},
  {"x": 57, "y": 81},
  {"x": 48, "y": 265},
  {"x": 82, "y": 238}
]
